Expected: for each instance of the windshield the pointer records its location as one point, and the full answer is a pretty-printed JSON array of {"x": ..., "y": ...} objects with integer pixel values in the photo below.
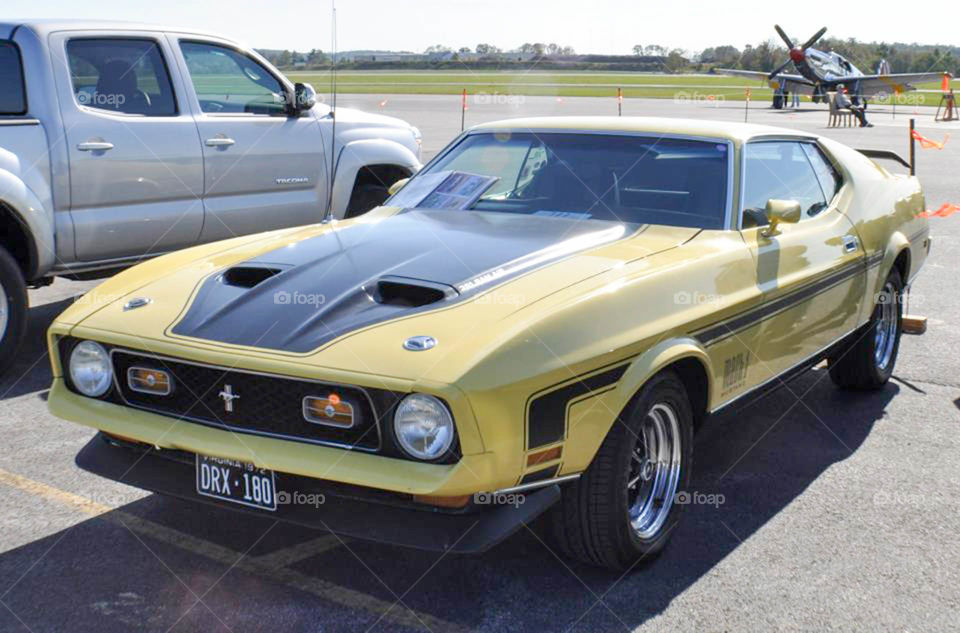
[{"x": 634, "y": 179}]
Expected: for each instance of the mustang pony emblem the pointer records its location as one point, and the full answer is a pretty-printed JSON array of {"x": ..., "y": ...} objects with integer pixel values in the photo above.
[{"x": 228, "y": 397}]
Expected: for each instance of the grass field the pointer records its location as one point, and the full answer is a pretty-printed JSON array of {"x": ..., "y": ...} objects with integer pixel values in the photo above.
[{"x": 561, "y": 84}]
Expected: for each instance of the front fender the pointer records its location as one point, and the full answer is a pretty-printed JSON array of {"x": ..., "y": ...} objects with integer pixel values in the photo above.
[
  {"x": 591, "y": 419},
  {"x": 357, "y": 154},
  {"x": 34, "y": 217}
]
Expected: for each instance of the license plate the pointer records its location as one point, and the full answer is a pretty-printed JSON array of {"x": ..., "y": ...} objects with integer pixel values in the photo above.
[{"x": 237, "y": 482}]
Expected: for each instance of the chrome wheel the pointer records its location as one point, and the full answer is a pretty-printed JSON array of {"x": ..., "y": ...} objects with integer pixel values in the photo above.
[
  {"x": 654, "y": 471},
  {"x": 885, "y": 335},
  {"x": 4, "y": 311}
]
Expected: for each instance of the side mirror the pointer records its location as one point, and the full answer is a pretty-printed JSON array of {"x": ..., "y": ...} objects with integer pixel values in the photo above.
[
  {"x": 304, "y": 97},
  {"x": 397, "y": 186},
  {"x": 778, "y": 211}
]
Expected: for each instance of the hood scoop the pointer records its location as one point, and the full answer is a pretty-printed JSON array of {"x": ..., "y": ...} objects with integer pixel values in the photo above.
[
  {"x": 248, "y": 276},
  {"x": 299, "y": 296},
  {"x": 409, "y": 293}
]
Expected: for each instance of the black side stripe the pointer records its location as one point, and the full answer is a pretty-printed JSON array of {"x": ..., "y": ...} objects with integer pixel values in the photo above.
[
  {"x": 547, "y": 413},
  {"x": 714, "y": 333}
]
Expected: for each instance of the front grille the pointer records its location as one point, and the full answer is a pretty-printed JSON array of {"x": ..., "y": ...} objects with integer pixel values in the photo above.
[{"x": 263, "y": 404}]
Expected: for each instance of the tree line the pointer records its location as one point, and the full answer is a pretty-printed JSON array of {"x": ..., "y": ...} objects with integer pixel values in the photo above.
[{"x": 903, "y": 58}]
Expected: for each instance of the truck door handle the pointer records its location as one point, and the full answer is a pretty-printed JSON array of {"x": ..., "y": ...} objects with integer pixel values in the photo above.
[
  {"x": 850, "y": 244},
  {"x": 94, "y": 146},
  {"x": 219, "y": 141}
]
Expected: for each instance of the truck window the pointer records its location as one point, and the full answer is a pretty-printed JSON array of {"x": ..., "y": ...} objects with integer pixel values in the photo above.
[
  {"x": 229, "y": 82},
  {"x": 121, "y": 75},
  {"x": 13, "y": 99}
]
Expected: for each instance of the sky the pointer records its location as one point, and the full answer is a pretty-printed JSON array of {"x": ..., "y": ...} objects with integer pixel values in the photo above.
[{"x": 592, "y": 26}]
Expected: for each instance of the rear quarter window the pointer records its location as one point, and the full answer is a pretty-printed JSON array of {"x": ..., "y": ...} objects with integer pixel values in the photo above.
[{"x": 13, "y": 98}]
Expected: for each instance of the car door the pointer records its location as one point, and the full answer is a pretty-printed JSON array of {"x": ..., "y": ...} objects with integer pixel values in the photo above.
[
  {"x": 264, "y": 169},
  {"x": 135, "y": 163},
  {"x": 811, "y": 273}
]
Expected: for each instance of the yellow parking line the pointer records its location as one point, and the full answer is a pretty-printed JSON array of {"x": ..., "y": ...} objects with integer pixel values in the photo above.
[
  {"x": 83, "y": 504},
  {"x": 271, "y": 566}
]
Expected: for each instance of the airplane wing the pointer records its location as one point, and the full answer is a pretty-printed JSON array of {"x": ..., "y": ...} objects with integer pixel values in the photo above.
[
  {"x": 875, "y": 84},
  {"x": 762, "y": 76}
]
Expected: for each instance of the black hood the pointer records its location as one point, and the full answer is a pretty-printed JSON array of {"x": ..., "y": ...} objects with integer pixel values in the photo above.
[{"x": 302, "y": 295}]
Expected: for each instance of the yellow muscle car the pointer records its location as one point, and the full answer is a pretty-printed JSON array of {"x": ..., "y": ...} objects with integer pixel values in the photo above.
[{"x": 535, "y": 323}]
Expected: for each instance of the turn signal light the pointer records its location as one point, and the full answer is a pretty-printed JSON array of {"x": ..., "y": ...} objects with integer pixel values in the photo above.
[
  {"x": 329, "y": 410},
  {"x": 543, "y": 457},
  {"x": 155, "y": 382}
]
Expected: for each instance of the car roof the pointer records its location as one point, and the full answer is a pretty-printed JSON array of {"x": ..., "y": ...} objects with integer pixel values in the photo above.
[
  {"x": 737, "y": 132},
  {"x": 44, "y": 27}
]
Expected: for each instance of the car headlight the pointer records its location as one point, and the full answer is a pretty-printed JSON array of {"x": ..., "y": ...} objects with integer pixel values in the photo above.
[
  {"x": 90, "y": 369},
  {"x": 423, "y": 426}
]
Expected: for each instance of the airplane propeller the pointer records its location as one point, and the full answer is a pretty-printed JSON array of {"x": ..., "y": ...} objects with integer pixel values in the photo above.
[{"x": 797, "y": 53}]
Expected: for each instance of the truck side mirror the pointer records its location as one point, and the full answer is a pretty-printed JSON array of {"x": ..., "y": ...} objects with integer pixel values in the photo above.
[
  {"x": 304, "y": 97},
  {"x": 778, "y": 211},
  {"x": 397, "y": 186}
]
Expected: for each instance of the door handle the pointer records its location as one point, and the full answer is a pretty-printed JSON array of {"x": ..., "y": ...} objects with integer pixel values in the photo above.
[
  {"x": 94, "y": 146},
  {"x": 219, "y": 141},
  {"x": 850, "y": 244}
]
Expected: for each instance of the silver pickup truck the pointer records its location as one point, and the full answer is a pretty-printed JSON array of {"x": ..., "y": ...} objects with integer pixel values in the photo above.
[{"x": 124, "y": 141}]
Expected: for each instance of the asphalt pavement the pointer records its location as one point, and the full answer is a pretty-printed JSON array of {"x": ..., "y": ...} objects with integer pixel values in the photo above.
[{"x": 828, "y": 510}]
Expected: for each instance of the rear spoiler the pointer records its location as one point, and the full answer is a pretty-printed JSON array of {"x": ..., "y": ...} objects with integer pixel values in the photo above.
[{"x": 885, "y": 154}]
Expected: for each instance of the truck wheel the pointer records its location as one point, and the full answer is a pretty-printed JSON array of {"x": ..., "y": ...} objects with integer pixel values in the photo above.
[
  {"x": 13, "y": 309},
  {"x": 364, "y": 198},
  {"x": 867, "y": 363},
  {"x": 622, "y": 509}
]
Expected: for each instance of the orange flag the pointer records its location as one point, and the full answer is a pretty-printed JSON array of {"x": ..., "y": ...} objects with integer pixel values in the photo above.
[
  {"x": 946, "y": 210},
  {"x": 927, "y": 143}
]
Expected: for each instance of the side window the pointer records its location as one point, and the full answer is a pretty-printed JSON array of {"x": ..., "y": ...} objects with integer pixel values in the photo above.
[
  {"x": 827, "y": 174},
  {"x": 779, "y": 170},
  {"x": 13, "y": 100},
  {"x": 121, "y": 75},
  {"x": 230, "y": 82}
]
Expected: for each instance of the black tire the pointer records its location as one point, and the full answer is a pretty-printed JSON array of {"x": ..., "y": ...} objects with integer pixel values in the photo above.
[
  {"x": 14, "y": 291},
  {"x": 364, "y": 198},
  {"x": 859, "y": 365},
  {"x": 591, "y": 522}
]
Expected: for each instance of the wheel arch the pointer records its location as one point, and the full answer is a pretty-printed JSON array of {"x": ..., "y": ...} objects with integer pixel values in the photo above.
[
  {"x": 684, "y": 356},
  {"x": 357, "y": 155},
  {"x": 18, "y": 240},
  {"x": 382, "y": 174},
  {"x": 896, "y": 255}
]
